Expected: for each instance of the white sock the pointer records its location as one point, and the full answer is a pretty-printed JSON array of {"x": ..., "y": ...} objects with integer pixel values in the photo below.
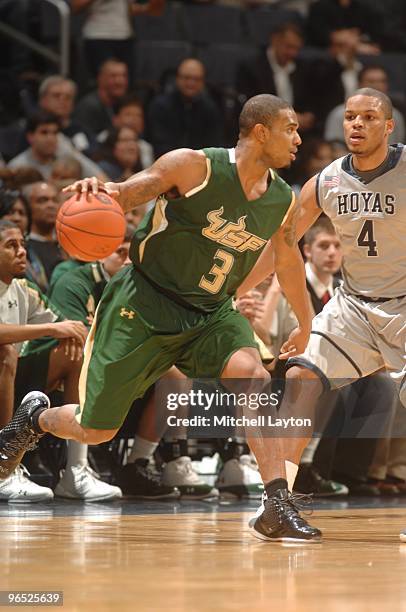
[
  {"x": 291, "y": 471},
  {"x": 142, "y": 449},
  {"x": 308, "y": 453},
  {"x": 77, "y": 454}
]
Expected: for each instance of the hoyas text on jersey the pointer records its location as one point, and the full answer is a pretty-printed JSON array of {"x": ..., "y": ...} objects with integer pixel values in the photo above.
[{"x": 366, "y": 203}]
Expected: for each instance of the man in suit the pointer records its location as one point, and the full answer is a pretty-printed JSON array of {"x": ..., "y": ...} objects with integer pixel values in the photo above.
[{"x": 278, "y": 70}]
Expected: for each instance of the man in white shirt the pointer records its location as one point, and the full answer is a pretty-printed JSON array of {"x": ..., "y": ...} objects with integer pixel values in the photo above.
[{"x": 47, "y": 144}]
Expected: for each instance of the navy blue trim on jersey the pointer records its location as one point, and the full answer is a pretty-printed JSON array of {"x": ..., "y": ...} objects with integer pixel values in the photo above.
[
  {"x": 395, "y": 151},
  {"x": 301, "y": 361},
  {"x": 317, "y": 190},
  {"x": 340, "y": 350}
]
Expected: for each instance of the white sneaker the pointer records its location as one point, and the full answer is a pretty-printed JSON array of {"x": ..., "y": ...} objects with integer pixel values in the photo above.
[
  {"x": 240, "y": 478},
  {"x": 180, "y": 473},
  {"x": 81, "y": 482},
  {"x": 18, "y": 489},
  {"x": 259, "y": 511}
]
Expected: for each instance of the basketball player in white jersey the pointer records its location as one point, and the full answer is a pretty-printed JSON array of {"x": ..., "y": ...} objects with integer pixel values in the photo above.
[{"x": 362, "y": 329}]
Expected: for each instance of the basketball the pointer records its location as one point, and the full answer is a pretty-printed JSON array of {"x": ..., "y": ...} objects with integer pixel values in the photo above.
[{"x": 90, "y": 228}]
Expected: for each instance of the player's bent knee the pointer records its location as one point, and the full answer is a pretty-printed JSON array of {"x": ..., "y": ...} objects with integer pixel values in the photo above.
[
  {"x": 97, "y": 436},
  {"x": 9, "y": 358}
]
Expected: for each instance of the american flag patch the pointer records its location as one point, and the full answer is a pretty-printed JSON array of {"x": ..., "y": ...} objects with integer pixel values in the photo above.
[{"x": 332, "y": 181}]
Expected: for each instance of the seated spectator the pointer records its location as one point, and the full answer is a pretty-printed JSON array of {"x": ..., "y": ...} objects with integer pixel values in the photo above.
[
  {"x": 57, "y": 96},
  {"x": 41, "y": 243},
  {"x": 336, "y": 75},
  {"x": 43, "y": 135},
  {"x": 136, "y": 215},
  {"x": 26, "y": 315},
  {"x": 278, "y": 70},
  {"x": 119, "y": 157},
  {"x": 187, "y": 116},
  {"x": 96, "y": 109},
  {"x": 365, "y": 22},
  {"x": 16, "y": 178},
  {"x": 14, "y": 207},
  {"x": 40, "y": 363},
  {"x": 377, "y": 78},
  {"x": 65, "y": 171},
  {"x": 130, "y": 113}
]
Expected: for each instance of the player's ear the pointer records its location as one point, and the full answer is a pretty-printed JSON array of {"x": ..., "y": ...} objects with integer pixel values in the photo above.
[
  {"x": 260, "y": 132},
  {"x": 306, "y": 251},
  {"x": 390, "y": 126}
]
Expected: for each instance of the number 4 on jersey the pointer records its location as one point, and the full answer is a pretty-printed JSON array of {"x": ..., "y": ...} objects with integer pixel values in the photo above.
[{"x": 366, "y": 238}]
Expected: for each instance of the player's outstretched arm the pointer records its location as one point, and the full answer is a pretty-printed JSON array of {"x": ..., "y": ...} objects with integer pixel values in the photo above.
[
  {"x": 290, "y": 271},
  {"x": 182, "y": 169},
  {"x": 309, "y": 210}
]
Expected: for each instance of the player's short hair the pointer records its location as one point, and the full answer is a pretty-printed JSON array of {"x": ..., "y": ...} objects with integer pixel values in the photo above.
[
  {"x": 260, "y": 109},
  {"x": 378, "y": 95},
  {"x": 323, "y": 225},
  {"x": 5, "y": 224},
  {"x": 55, "y": 79}
]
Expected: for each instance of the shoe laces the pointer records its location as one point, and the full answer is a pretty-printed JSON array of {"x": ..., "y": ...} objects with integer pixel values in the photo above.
[
  {"x": 293, "y": 503},
  {"x": 302, "y": 502},
  {"x": 23, "y": 440}
]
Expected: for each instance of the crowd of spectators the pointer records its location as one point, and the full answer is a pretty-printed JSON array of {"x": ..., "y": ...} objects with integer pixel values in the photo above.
[{"x": 321, "y": 53}]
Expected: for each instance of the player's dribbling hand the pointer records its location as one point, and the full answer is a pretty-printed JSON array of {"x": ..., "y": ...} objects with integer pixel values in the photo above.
[
  {"x": 295, "y": 344},
  {"x": 93, "y": 185}
]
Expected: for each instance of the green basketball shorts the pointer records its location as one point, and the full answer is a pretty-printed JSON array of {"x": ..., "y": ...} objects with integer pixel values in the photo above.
[{"x": 138, "y": 333}]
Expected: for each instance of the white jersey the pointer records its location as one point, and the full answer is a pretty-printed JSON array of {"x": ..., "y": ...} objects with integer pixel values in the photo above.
[
  {"x": 370, "y": 219},
  {"x": 22, "y": 303}
]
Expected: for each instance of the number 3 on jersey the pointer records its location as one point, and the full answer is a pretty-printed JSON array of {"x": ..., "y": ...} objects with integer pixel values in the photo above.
[
  {"x": 366, "y": 238},
  {"x": 219, "y": 272}
]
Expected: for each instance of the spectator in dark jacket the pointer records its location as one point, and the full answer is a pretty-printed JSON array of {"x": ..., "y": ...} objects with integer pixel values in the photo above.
[{"x": 187, "y": 116}]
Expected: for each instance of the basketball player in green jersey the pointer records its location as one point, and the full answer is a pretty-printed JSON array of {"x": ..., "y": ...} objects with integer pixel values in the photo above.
[{"x": 215, "y": 212}]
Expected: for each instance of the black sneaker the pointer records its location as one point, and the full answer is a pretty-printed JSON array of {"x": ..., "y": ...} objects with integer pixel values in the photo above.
[
  {"x": 19, "y": 435},
  {"x": 137, "y": 479},
  {"x": 278, "y": 519}
]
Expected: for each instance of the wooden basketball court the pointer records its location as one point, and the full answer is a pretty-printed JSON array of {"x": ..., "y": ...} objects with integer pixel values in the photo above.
[{"x": 103, "y": 559}]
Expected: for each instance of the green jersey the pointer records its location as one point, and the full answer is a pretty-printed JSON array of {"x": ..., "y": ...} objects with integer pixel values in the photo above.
[
  {"x": 198, "y": 248},
  {"x": 78, "y": 292}
]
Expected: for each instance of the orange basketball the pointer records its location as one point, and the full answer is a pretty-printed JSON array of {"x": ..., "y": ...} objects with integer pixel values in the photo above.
[{"x": 90, "y": 228}]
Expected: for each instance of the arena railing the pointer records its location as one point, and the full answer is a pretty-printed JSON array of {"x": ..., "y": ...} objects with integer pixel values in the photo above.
[{"x": 60, "y": 58}]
